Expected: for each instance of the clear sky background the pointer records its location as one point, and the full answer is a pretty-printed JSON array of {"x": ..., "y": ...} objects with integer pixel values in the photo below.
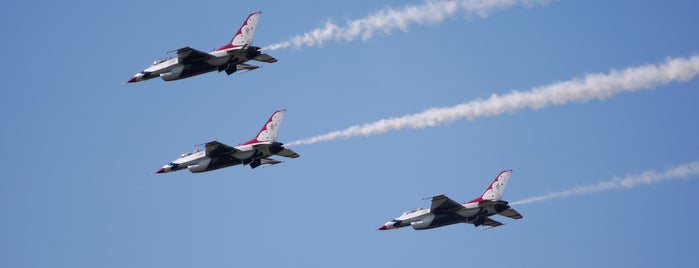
[{"x": 80, "y": 146}]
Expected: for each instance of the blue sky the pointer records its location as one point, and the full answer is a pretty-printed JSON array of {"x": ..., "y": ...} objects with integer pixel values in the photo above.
[{"x": 80, "y": 146}]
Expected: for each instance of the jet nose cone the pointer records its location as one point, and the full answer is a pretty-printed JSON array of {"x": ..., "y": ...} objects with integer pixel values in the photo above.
[
  {"x": 161, "y": 170},
  {"x": 133, "y": 79},
  {"x": 389, "y": 226}
]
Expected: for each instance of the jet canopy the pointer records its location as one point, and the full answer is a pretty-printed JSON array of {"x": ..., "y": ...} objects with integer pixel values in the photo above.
[
  {"x": 412, "y": 210},
  {"x": 188, "y": 154},
  {"x": 161, "y": 60}
]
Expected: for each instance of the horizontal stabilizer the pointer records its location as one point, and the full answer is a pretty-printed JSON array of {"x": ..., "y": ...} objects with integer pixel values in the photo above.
[
  {"x": 246, "y": 67},
  {"x": 270, "y": 161},
  {"x": 288, "y": 153},
  {"x": 491, "y": 223},
  {"x": 264, "y": 162},
  {"x": 511, "y": 213},
  {"x": 265, "y": 58}
]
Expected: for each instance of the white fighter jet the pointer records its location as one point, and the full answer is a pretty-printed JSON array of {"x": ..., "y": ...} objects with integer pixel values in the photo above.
[
  {"x": 254, "y": 152},
  {"x": 445, "y": 211},
  {"x": 230, "y": 57}
]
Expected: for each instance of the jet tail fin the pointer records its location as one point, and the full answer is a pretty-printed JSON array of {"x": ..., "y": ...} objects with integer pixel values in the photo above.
[
  {"x": 243, "y": 38},
  {"x": 496, "y": 188},
  {"x": 269, "y": 131}
]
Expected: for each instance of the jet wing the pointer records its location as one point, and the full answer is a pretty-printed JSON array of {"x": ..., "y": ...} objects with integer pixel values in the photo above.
[
  {"x": 511, "y": 213},
  {"x": 441, "y": 204},
  {"x": 265, "y": 58},
  {"x": 187, "y": 54},
  {"x": 214, "y": 148}
]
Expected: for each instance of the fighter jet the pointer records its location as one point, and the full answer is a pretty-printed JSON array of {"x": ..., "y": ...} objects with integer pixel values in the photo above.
[
  {"x": 254, "y": 152},
  {"x": 230, "y": 57},
  {"x": 445, "y": 211}
]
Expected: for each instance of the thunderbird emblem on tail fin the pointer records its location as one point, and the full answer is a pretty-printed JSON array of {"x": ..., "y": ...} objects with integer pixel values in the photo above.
[
  {"x": 243, "y": 38},
  {"x": 269, "y": 131}
]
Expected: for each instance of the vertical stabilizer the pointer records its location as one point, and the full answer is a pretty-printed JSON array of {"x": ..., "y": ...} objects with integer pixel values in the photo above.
[
  {"x": 244, "y": 35},
  {"x": 496, "y": 188},
  {"x": 269, "y": 131}
]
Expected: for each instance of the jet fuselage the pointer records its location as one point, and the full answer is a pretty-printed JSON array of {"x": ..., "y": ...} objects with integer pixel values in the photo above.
[
  {"x": 230, "y": 57},
  {"x": 197, "y": 161},
  {"x": 221, "y": 60},
  {"x": 422, "y": 218}
]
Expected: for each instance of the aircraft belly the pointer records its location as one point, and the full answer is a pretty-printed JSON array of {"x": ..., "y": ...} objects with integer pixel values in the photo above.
[
  {"x": 218, "y": 61},
  {"x": 222, "y": 162},
  {"x": 467, "y": 212},
  {"x": 196, "y": 68},
  {"x": 446, "y": 219},
  {"x": 244, "y": 154}
]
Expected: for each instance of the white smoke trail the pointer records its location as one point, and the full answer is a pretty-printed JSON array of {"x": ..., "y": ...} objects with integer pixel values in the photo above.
[
  {"x": 592, "y": 86},
  {"x": 389, "y": 19},
  {"x": 647, "y": 178}
]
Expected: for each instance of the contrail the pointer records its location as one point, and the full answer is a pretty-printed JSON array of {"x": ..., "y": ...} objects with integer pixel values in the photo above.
[
  {"x": 647, "y": 178},
  {"x": 390, "y": 19},
  {"x": 591, "y": 86}
]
